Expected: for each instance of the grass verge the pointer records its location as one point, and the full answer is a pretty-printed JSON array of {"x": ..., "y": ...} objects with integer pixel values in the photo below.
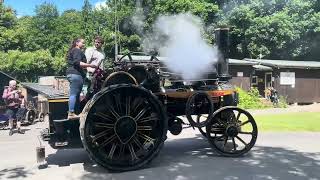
[{"x": 294, "y": 122}]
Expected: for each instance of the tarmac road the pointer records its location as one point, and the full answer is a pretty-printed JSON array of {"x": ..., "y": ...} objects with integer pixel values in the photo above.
[{"x": 290, "y": 156}]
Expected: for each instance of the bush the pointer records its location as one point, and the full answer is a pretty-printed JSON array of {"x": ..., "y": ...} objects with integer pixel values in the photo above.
[
  {"x": 282, "y": 102},
  {"x": 250, "y": 100}
]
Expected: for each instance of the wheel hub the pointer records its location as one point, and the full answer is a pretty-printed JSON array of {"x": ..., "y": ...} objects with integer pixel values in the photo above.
[
  {"x": 232, "y": 131},
  {"x": 125, "y": 128}
]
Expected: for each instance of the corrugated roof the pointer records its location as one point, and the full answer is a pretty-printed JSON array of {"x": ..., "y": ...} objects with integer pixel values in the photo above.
[
  {"x": 287, "y": 64},
  {"x": 241, "y": 62},
  {"x": 260, "y": 67},
  {"x": 46, "y": 90},
  {"x": 9, "y": 76}
]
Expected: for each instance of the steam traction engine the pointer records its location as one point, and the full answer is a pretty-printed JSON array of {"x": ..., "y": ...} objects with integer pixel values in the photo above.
[{"x": 124, "y": 123}]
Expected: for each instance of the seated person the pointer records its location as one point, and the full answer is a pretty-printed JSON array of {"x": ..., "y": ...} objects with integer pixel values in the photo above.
[{"x": 14, "y": 100}]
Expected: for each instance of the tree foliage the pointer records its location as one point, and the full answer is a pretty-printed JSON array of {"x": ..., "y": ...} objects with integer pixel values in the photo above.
[{"x": 274, "y": 29}]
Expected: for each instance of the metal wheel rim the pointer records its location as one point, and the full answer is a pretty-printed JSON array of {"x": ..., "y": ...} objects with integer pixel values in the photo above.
[
  {"x": 151, "y": 128},
  {"x": 226, "y": 144}
]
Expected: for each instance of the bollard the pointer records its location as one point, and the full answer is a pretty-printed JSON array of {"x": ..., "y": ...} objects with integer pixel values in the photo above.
[{"x": 41, "y": 154}]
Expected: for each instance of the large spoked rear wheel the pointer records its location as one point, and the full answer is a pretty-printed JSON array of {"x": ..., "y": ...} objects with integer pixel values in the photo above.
[
  {"x": 123, "y": 127},
  {"x": 232, "y": 131}
]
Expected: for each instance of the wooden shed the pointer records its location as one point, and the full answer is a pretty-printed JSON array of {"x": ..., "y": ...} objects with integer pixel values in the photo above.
[
  {"x": 241, "y": 73},
  {"x": 297, "y": 81}
]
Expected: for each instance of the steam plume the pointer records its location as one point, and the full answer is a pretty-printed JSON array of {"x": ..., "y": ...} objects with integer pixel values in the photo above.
[{"x": 179, "y": 38}]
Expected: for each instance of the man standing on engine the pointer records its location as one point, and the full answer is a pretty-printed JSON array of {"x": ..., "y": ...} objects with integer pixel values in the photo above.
[{"x": 95, "y": 56}]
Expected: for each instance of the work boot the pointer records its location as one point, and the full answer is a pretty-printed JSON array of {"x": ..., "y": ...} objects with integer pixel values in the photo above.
[
  {"x": 20, "y": 131},
  {"x": 61, "y": 144},
  {"x": 10, "y": 132},
  {"x": 73, "y": 116}
]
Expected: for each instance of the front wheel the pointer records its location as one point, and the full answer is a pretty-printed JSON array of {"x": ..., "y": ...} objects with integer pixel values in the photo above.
[{"x": 232, "y": 131}]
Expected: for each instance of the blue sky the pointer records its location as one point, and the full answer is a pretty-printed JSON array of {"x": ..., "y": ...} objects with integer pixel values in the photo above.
[{"x": 27, "y": 7}]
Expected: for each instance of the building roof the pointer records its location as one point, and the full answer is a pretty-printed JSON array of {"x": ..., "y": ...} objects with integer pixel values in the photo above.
[
  {"x": 10, "y": 77},
  {"x": 148, "y": 58},
  {"x": 259, "y": 67},
  {"x": 46, "y": 90},
  {"x": 287, "y": 64},
  {"x": 241, "y": 62}
]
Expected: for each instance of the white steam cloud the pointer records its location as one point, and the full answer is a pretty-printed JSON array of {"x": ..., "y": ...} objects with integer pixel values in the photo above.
[
  {"x": 179, "y": 38},
  {"x": 138, "y": 19}
]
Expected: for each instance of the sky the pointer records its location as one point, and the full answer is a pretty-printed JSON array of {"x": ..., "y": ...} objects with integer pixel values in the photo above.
[{"x": 27, "y": 7}]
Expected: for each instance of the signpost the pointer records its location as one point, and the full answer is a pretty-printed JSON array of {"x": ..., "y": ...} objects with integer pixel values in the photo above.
[{"x": 287, "y": 78}]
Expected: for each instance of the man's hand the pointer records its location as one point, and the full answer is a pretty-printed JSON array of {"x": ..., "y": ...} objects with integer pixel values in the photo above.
[
  {"x": 94, "y": 66},
  {"x": 14, "y": 92}
]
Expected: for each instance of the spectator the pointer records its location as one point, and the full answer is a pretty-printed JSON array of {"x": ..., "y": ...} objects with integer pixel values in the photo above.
[{"x": 14, "y": 100}]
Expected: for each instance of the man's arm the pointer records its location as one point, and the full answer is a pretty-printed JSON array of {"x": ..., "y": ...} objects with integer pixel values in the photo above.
[
  {"x": 6, "y": 94},
  {"x": 89, "y": 54}
]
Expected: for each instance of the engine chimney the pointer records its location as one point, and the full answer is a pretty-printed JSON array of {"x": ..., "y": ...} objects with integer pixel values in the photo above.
[{"x": 222, "y": 41}]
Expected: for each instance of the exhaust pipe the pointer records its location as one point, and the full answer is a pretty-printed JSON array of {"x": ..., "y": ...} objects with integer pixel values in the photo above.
[{"x": 222, "y": 41}]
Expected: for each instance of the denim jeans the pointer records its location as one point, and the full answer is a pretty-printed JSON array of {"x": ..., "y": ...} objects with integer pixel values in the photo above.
[{"x": 76, "y": 83}]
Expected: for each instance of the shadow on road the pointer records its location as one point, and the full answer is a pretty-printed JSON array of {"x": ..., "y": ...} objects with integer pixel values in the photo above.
[
  {"x": 192, "y": 158},
  {"x": 15, "y": 173}
]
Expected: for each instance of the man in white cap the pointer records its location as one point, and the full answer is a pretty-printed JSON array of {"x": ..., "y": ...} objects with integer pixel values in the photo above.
[{"x": 14, "y": 100}]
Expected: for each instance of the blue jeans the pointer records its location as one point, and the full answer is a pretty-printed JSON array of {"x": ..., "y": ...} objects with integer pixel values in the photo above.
[{"x": 76, "y": 83}]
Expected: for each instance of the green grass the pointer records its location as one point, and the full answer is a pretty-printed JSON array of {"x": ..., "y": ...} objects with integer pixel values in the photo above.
[{"x": 307, "y": 121}]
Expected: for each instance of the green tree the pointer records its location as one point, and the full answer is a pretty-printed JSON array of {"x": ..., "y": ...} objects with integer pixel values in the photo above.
[
  {"x": 45, "y": 22},
  {"x": 7, "y": 32}
]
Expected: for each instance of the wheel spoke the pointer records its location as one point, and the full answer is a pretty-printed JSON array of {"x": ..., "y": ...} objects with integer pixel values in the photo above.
[
  {"x": 113, "y": 112},
  {"x": 149, "y": 118},
  {"x": 132, "y": 153},
  {"x": 221, "y": 122},
  {"x": 145, "y": 137},
  {"x": 136, "y": 103},
  {"x": 104, "y": 125},
  {"x": 238, "y": 116},
  {"x": 122, "y": 147},
  {"x": 138, "y": 143},
  {"x": 107, "y": 141},
  {"x": 110, "y": 155},
  {"x": 234, "y": 144},
  {"x": 128, "y": 99},
  {"x": 251, "y": 133},
  {"x": 99, "y": 135},
  {"x": 241, "y": 140},
  {"x": 225, "y": 142},
  {"x": 141, "y": 113},
  {"x": 244, "y": 123},
  {"x": 117, "y": 101},
  {"x": 144, "y": 128},
  {"x": 218, "y": 138}
]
